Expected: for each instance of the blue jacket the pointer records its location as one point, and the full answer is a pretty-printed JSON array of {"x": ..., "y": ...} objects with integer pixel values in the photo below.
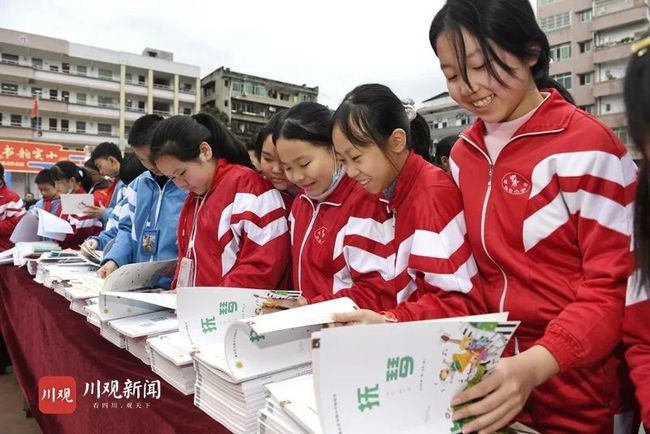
[
  {"x": 115, "y": 199},
  {"x": 112, "y": 226},
  {"x": 149, "y": 208}
]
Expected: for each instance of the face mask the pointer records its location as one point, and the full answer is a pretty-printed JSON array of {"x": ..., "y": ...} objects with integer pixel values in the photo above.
[{"x": 336, "y": 177}]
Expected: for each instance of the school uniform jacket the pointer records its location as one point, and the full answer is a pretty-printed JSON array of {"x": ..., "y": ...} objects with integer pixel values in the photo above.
[
  {"x": 343, "y": 247},
  {"x": 11, "y": 211},
  {"x": 636, "y": 335},
  {"x": 549, "y": 223},
  {"x": 241, "y": 237},
  {"x": 435, "y": 273}
]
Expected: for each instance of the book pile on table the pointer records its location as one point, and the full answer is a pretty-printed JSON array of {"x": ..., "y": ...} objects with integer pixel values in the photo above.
[
  {"x": 136, "y": 330},
  {"x": 170, "y": 357}
]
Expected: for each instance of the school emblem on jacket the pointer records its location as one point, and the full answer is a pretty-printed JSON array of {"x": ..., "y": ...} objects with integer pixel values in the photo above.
[
  {"x": 320, "y": 234},
  {"x": 515, "y": 184}
]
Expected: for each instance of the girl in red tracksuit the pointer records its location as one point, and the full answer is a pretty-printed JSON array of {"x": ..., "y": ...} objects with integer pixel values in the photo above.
[
  {"x": 435, "y": 273},
  {"x": 69, "y": 180},
  {"x": 546, "y": 190},
  {"x": 232, "y": 230},
  {"x": 341, "y": 236},
  {"x": 636, "y": 323}
]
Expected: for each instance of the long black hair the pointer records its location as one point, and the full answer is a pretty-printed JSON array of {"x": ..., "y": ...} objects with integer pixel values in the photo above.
[
  {"x": 510, "y": 24},
  {"x": 180, "y": 137},
  {"x": 636, "y": 93},
  {"x": 369, "y": 114},
  {"x": 307, "y": 121}
]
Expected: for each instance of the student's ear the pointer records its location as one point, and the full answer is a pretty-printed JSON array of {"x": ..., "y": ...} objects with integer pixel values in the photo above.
[
  {"x": 205, "y": 152},
  {"x": 397, "y": 141},
  {"x": 535, "y": 49}
]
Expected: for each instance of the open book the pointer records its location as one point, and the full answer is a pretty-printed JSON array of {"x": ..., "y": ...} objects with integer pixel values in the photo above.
[
  {"x": 402, "y": 377},
  {"x": 45, "y": 224}
]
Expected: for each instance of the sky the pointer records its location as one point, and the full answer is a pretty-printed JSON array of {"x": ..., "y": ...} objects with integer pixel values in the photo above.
[{"x": 333, "y": 44}]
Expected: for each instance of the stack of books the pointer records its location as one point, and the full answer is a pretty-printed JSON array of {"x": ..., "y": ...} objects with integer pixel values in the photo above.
[
  {"x": 136, "y": 330},
  {"x": 170, "y": 357},
  {"x": 290, "y": 407}
]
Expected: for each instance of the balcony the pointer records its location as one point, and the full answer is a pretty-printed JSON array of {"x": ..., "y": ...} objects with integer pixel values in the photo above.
[
  {"x": 262, "y": 99},
  {"x": 608, "y": 87},
  {"x": 613, "y": 120},
  {"x": 612, "y": 51},
  {"x": 617, "y": 14},
  {"x": 249, "y": 117},
  {"x": 92, "y": 111},
  {"x": 162, "y": 93},
  {"x": 134, "y": 89}
]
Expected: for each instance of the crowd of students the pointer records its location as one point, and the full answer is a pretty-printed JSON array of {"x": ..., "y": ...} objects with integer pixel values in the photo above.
[{"x": 531, "y": 214}]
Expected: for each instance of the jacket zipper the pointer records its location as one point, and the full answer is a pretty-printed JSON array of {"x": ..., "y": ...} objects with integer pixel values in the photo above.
[{"x": 304, "y": 241}]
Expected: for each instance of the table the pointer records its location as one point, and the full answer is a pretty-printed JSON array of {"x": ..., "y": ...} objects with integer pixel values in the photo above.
[{"x": 45, "y": 338}]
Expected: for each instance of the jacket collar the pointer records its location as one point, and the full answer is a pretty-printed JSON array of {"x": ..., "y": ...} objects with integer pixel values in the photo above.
[
  {"x": 552, "y": 116},
  {"x": 338, "y": 196},
  {"x": 406, "y": 178}
]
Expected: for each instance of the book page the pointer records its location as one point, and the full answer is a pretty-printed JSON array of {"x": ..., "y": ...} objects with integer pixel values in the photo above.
[
  {"x": 76, "y": 203},
  {"x": 51, "y": 226},
  {"x": 26, "y": 229},
  {"x": 113, "y": 305},
  {"x": 147, "y": 324},
  {"x": 368, "y": 375},
  {"x": 139, "y": 275}
]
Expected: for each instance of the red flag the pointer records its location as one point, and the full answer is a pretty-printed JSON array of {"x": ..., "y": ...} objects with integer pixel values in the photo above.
[{"x": 35, "y": 108}]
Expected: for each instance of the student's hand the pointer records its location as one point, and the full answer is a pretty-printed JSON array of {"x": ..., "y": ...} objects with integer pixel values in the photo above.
[
  {"x": 91, "y": 244},
  {"x": 504, "y": 392},
  {"x": 361, "y": 316},
  {"x": 94, "y": 211},
  {"x": 274, "y": 305},
  {"x": 107, "y": 269}
]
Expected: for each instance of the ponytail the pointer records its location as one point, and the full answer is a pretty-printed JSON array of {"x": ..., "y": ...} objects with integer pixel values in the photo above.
[
  {"x": 180, "y": 137},
  {"x": 420, "y": 138}
]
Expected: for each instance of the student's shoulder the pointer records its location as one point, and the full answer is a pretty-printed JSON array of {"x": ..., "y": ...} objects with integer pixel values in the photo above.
[
  {"x": 587, "y": 132},
  {"x": 247, "y": 180}
]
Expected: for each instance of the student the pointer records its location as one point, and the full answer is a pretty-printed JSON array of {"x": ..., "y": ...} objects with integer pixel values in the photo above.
[
  {"x": 108, "y": 158},
  {"x": 443, "y": 149},
  {"x": 11, "y": 211},
  {"x": 252, "y": 153},
  {"x": 435, "y": 272},
  {"x": 130, "y": 168},
  {"x": 636, "y": 323},
  {"x": 270, "y": 165},
  {"x": 148, "y": 230},
  {"x": 232, "y": 229},
  {"x": 50, "y": 201},
  {"x": 69, "y": 179},
  {"x": 546, "y": 190},
  {"x": 100, "y": 184},
  {"x": 342, "y": 239}
]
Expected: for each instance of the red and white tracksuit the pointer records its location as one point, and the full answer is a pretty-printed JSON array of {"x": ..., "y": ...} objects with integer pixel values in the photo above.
[
  {"x": 636, "y": 335},
  {"x": 11, "y": 211},
  {"x": 83, "y": 226},
  {"x": 435, "y": 273},
  {"x": 241, "y": 238},
  {"x": 549, "y": 223},
  {"x": 342, "y": 246}
]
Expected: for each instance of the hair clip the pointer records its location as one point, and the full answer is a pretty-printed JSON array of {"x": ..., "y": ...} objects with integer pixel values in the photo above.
[
  {"x": 409, "y": 106},
  {"x": 641, "y": 47}
]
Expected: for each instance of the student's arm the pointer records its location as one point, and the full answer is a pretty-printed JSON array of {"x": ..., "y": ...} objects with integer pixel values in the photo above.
[
  {"x": 636, "y": 336},
  {"x": 264, "y": 249},
  {"x": 440, "y": 257},
  {"x": 13, "y": 212},
  {"x": 122, "y": 251},
  {"x": 367, "y": 248}
]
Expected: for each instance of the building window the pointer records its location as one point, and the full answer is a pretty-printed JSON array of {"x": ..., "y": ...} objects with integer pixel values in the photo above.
[
  {"x": 187, "y": 111},
  {"x": 81, "y": 127},
  {"x": 237, "y": 86},
  {"x": 621, "y": 133},
  {"x": 608, "y": 108},
  {"x": 225, "y": 103},
  {"x": 82, "y": 70},
  {"x": 141, "y": 105},
  {"x": 561, "y": 52},
  {"x": 128, "y": 77},
  {"x": 0, "y": 118},
  {"x": 10, "y": 58},
  {"x": 187, "y": 87},
  {"x": 248, "y": 88},
  {"x": 9, "y": 89},
  {"x": 105, "y": 74},
  {"x": 586, "y": 78},
  {"x": 37, "y": 63},
  {"x": 54, "y": 68},
  {"x": 585, "y": 16},
  {"x": 54, "y": 124},
  {"x": 555, "y": 22},
  {"x": 65, "y": 125},
  {"x": 564, "y": 79},
  {"x": 259, "y": 89},
  {"x": 104, "y": 129},
  {"x": 141, "y": 79},
  {"x": 65, "y": 68},
  {"x": 54, "y": 94},
  {"x": 81, "y": 98},
  {"x": 589, "y": 108},
  {"x": 36, "y": 91},
  {"x": 65, "y": 95},
  {"x": 585, "y": 46},
  {"x": 16, "y": 120},
  {"x": 105, "y": 101}
]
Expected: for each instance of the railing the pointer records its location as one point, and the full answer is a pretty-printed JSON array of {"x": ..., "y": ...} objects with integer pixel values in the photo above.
[{"x": 162, "y": 86}]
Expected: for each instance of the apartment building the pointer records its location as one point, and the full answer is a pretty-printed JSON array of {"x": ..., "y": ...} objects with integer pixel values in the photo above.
[
  {"x": 590, "y": 46},
  {"x": 444, "y": 116},
  {"x": 250, "y": 101}
]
